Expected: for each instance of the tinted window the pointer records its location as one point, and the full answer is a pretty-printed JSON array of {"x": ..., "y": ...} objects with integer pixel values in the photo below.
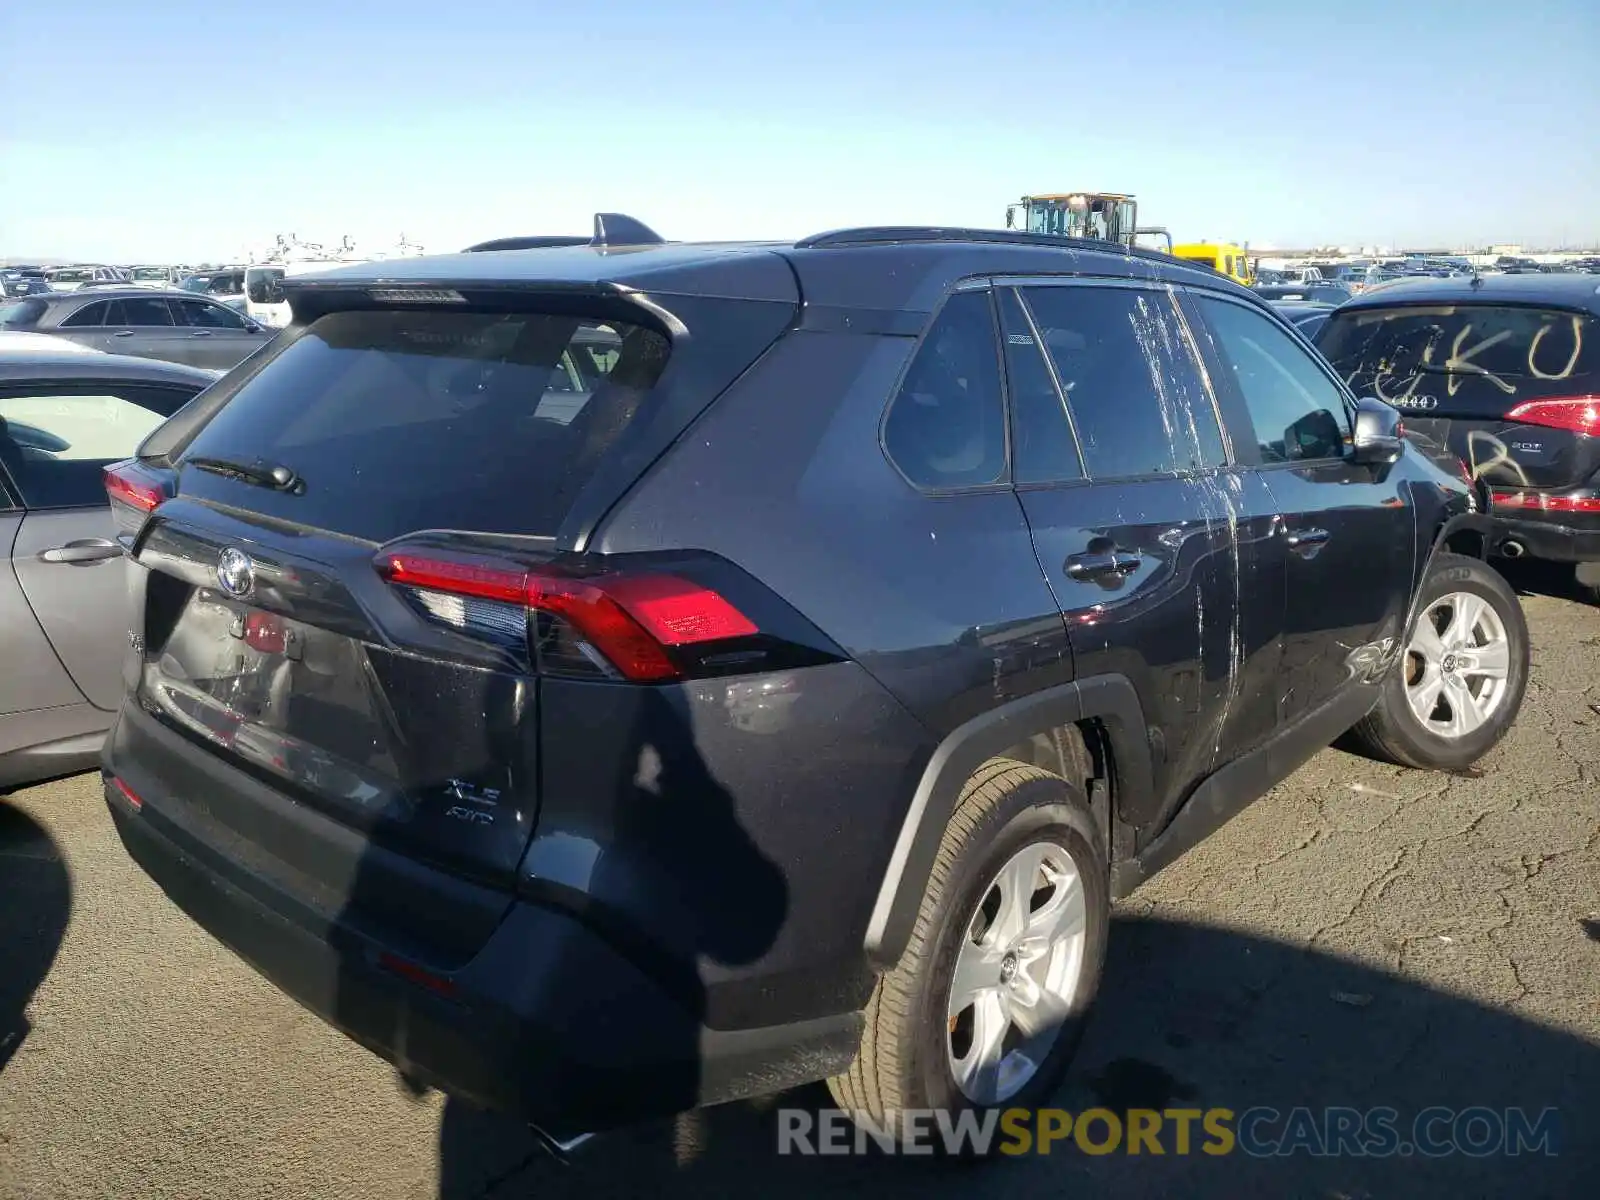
[
  {"x": 946, "y": 426},
  {"x": 406, "y": 420},
  {"x": 1474, "y": 358},
  {"x": 56, "y": 442},
  {"x": 89, "y": 314},
  {"x": 142, "y": 311},
  {"x": 1135, "y": 391},
  {"x": 1298, "y": 412},
  {"x": 209, "y": 316},
  {"x": 1043, "y": 449},
  {"x": 24, "y": 314}
]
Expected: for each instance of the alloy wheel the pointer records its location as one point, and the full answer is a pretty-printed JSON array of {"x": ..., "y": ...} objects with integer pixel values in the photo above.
[
  {"x": 1016, "y": 973},
  {"x": 1457, "y": 665}
]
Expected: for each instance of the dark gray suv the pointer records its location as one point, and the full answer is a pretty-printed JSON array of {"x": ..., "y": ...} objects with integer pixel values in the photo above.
[{"x": 614, "y": 678}]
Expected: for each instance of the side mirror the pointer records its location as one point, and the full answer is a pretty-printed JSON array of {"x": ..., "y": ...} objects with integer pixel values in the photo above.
[{"x": 1378, "y": 432}]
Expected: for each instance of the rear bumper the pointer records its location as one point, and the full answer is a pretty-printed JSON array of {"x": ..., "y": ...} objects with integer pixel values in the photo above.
[
  {"x": 547, "y": 1020},
  {"x": 1558, "y": 537}
]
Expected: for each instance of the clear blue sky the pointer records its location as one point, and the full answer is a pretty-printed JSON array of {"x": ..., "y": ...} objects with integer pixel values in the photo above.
[{"x": 186, "y": 130}]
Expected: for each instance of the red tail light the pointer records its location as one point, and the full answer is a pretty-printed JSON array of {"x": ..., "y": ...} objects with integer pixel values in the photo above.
[
  {"x": 630, "y": 620},
  {"x": 442, "y": 985},
  {"x": 1544, "y": 502},
  {"x": 129, "y": 484},
  {"x": 1579, "y": 414},
  {"x": 127, "y": 793}
]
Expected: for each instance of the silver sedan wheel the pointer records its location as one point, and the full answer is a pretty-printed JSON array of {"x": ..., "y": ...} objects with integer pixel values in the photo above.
[
  {"x": 1457, "y": 665},
  {"x": 1016, "y": 973}
]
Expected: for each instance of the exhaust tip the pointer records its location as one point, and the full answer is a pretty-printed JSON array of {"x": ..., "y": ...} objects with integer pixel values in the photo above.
[{"x": 1513, "y": 548}]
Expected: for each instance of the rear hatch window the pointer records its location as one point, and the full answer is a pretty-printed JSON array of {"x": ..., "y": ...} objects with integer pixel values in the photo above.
[
  {"x": 413, "y": 419},
  {"x": 1471, "y": 360},
  {"x": 23, "y": 314}
]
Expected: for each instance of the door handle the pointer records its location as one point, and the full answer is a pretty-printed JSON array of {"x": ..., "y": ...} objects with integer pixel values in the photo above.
[
  {"x": 1305, "y": 541},
  {"x": 201, "y": 333},
  {"x": 86, "y": 550},
  {"x": 123, "y": 333},
  {"x": 1102, "y": 564}
]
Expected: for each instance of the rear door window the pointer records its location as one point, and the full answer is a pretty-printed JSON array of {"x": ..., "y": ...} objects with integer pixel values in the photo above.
[
  {"x": 1470, "y": 360},
  {"x": 56, "y": 439},
  {"x": 139, "y": 311},
  {"x": 1043, "y": 446},
  {"x": 399, "y": 420},
  {"x": 946, "y": 426},
  {"x": 1137, "y": 396}
]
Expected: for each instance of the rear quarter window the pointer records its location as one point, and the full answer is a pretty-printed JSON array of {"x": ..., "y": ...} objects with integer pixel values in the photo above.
[
  {"x": 1472, "y": 357},
  {"x": 416, "y": 419}
]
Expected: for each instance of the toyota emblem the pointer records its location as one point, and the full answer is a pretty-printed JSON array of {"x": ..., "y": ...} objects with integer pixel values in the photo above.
[{"x": 235, "y": 572}]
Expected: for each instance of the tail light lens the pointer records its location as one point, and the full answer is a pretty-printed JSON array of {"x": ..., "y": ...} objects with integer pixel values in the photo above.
[
  {"x": 618, "y": 623},
  {"x": 127, "y": 793},
  {"x": 135, "y": 492},
  {"x": 1545, "y": 502},
  {"x": 1578, "y": 414}
]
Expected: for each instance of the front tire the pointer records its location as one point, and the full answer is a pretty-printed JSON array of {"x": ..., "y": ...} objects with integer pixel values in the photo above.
[
  {"x": 988, "y": 1003},
  {"x": 1458, "y": 686}
]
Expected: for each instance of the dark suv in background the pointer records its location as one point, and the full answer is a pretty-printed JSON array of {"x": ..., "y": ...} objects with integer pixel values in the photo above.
[
  {"x": 1505, "y": 371},
  {"x": 614, "y": 678}
]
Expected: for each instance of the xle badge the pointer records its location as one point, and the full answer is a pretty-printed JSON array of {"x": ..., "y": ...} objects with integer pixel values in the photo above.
[{"x": 474, "y": 802}]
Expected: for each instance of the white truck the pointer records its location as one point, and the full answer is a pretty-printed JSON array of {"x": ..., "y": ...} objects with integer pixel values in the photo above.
[{"x": 263, "y": 297}]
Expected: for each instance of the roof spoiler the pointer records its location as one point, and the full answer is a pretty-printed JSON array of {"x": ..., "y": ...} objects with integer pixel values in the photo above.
[{"x": 610, "y": 229}]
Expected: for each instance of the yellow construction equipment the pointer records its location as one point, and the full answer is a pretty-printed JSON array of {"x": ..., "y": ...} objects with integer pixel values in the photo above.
[
  {"x": 1225, "y": 258},
  {"x": 1099, "y": 216}
]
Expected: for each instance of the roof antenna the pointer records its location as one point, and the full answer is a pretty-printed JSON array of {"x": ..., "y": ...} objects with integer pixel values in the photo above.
[{"x": 616, "y": 229}]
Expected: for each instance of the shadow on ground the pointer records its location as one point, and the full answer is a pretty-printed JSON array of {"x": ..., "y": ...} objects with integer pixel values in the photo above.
[
  {"x": 1187, "y": 1017},
  {"x": 1534, "y": 577},
  {"x": 33, "y": 919}
]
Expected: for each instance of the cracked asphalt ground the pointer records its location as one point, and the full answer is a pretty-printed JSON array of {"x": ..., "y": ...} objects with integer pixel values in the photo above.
[{"x": 1363, "y": 936}]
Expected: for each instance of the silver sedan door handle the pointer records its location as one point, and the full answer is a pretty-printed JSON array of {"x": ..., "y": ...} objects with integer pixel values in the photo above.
[{"x": 86, "y": 550}]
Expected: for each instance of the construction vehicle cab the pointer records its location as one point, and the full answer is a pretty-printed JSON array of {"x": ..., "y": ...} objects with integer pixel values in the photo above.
[{"x": 1099, "y": 216}]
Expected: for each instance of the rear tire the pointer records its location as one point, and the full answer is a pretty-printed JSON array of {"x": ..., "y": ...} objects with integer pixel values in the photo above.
[
  {"x": 1014, "y": 822},
  {"x": 1587, "y": 577},
  {"x": 1458, "y": 686}
]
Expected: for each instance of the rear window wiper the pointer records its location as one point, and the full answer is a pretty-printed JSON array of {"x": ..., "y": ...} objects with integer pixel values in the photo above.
[{"x": 279, "y": 478}]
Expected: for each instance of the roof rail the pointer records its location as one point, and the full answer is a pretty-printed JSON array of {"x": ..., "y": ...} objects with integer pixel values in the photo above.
[
  {"x": 617, "y": 229},
  {"x": 891, "y": 234}
]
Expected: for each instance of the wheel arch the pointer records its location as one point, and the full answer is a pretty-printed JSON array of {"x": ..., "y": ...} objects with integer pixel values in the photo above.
[
  {"x": 1093, "y": 725},
  {"x": 1465, "y": 533}
]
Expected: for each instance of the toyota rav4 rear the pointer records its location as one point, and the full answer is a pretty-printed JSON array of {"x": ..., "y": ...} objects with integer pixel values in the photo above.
[{"x": 471, "y": 793}]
